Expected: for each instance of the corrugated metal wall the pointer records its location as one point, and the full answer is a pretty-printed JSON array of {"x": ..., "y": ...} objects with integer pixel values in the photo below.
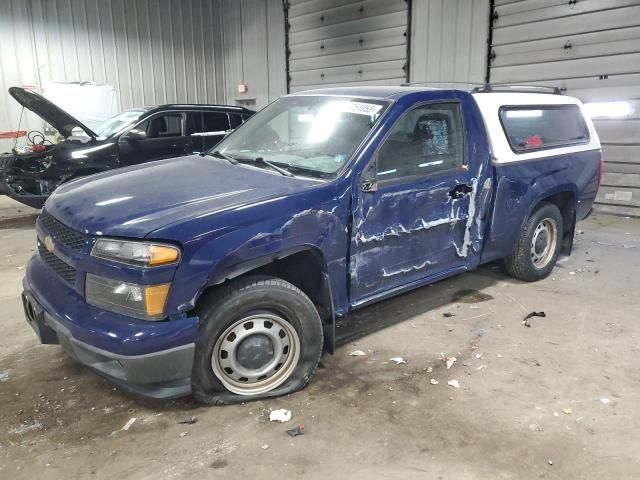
[
  {"x": 449, "y": 40},
  {"x": 254, "y": 51},
  {"x": 591, "y": 48},
  {"x": 150, "y": 51},
  {"x": 346, "y": 42}
]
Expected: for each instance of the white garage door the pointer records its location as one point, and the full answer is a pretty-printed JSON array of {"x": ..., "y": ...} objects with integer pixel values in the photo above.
[
  {"x": 591, "y": 48},
  {"x": 342, "y": 42}
]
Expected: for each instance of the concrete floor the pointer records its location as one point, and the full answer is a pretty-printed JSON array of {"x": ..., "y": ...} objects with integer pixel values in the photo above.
[{"x": 556, "y": 400}]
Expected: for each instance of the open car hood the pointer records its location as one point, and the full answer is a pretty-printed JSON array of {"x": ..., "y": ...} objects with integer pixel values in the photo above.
[{"x": 50, "y": 113}]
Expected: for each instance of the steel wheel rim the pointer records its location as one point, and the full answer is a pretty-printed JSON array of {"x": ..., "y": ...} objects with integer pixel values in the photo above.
[
  {"x": 238, "y": 378},
  {"x": 543, "y": 243}
]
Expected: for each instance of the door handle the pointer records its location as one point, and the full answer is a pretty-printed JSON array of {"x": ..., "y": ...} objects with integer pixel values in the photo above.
[{"x": 460, "y": 191}]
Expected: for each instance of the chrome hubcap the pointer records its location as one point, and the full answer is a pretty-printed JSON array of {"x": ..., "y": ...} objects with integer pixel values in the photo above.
[
  {"x": 543, "y": 243},
  {"x": 256, "y": 354}
]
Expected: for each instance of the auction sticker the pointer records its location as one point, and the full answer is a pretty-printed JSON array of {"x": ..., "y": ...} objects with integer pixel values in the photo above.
[{"x": 360, "y": 108}]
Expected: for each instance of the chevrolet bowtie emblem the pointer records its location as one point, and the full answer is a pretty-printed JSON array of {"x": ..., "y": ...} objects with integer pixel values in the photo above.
[{"x": 48, "y": 242}]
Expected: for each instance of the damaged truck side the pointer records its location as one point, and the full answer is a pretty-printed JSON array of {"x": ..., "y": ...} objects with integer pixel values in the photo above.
[{"x": 222, "y": 275}]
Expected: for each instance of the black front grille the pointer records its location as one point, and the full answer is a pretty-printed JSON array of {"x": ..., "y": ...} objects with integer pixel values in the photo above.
[
  {"x": 6, "y": 162},
  {"x": 66, "y": 271},
  {"x": 61, "y": 233}
]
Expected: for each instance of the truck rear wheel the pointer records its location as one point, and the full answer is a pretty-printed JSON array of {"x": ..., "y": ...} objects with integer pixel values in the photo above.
[
  {"x": 538, "y": 246},
  {"x": 259, "y": 337}
]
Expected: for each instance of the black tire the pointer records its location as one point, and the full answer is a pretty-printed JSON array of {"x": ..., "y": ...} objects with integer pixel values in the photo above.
[
  {"x": 521, "y": 264},
  {"x": 239, "y": 300}
]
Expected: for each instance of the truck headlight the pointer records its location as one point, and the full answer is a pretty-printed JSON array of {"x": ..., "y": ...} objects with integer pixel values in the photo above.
[
  {"x": 139, "y": 301},
  {"x": 145, "y": 254}
]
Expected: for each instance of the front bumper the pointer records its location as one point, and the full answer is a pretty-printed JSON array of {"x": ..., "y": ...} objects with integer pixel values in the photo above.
[
  {"x": 33, "y": 201},
  {"x": 141, "y": 357}
]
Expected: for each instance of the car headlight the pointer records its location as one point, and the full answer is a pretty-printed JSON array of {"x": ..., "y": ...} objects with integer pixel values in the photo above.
[
  {"x": 145, "y": 254},
  {"x": 139, "y": 301}
]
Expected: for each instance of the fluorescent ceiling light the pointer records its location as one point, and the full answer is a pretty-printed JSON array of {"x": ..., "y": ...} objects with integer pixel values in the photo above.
[{"x": 608, "y": 109}]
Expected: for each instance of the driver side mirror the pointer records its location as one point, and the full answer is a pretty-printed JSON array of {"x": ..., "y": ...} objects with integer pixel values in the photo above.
[
  {"x": 368, "y": 177},
  {"x": 136, "y": 135}
]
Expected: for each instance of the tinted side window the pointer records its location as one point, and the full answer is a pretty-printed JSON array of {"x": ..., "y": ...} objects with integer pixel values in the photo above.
[
  {"x": 424, "y": 140},
  {"x": 163, "y": 126},
  {"x": 236, "y": 120},
  {"x": 215, "y": 122},
  {"x": 545, "y": 126},
  {"x": 194, "y": 123}
]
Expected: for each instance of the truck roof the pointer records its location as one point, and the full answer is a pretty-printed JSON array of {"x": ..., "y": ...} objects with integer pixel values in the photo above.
[
  {"x": 382, "y": 93},
  {"x": 489, "y": 101},
  {"x": 517, "y": 97}
]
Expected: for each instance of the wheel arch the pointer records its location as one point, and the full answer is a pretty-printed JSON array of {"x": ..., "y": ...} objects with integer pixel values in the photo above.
[
  {"x": 303, "y": 266},
  {"x": 566, "y": 201}
]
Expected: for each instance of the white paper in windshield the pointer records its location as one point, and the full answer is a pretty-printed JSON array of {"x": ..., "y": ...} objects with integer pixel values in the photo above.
[{"x": 360, "y": 108}]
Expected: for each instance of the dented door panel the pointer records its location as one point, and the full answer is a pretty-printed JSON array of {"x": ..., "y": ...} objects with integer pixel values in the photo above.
[{"x": 411, "y": 230}]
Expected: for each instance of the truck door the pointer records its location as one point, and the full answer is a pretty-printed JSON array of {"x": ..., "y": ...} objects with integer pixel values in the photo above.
[
  {"x": 165, "y": 138},
  {"x": 416, "y": 212}
]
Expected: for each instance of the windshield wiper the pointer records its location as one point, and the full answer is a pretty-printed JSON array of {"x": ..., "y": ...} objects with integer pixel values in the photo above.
[
  {"x": 262, "y": 161},
  {"x": 218, "y": 154}
]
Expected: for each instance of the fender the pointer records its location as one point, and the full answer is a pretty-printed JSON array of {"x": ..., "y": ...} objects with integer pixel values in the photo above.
[
  {"x": 516, "y": 201},
  {"x": 322, "y": 296},
  {"x": 222, "y": 273}
]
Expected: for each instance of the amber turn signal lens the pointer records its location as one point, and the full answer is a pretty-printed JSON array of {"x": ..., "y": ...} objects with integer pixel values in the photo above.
[
  {"x": 155, "y": 298},
  {"x": 161, "y": 255}
]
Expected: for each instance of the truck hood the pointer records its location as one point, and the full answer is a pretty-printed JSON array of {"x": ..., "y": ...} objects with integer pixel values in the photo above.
[
  {"x": 49, "y": 112},
  {"x": 135, "y": 201}
]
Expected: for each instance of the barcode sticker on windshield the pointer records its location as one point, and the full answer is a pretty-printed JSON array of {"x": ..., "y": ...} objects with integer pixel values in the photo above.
[{"x": 360, "y": 108}]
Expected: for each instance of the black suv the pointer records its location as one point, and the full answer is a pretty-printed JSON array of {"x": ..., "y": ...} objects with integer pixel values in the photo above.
[{"x": 135, "y": 136}]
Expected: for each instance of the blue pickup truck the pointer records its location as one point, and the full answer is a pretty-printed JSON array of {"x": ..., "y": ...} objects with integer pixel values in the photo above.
[{"x": 222, "y": 274}]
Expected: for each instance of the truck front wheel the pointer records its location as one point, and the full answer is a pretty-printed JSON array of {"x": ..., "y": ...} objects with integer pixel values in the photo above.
[
  {"x": 538, "y": 246},
  {"x": 259, "y": 337}
]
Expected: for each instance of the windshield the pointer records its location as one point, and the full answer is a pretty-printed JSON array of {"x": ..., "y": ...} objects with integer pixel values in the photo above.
[
  {"x": 309, "y": 135},
  {"x": 117, "y": 123}
]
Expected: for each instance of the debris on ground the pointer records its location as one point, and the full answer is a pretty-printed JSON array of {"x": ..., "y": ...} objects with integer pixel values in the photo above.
[
  {"x": 448, "y": 360},
  {"x": 448, "y": 314},
  {"x": 605, "y": 400},
  {"x": 188, "y": 421},
  {"x": 481, "y": 367},
  {"x": 281, "y": 415},
  {"x": 605, "y": 244},
  {"x": 567, "y": 411},
  {"x": 453, "y": 383},
  {"x": 265, "y": 446},
  {"x": 4, "y": 376},
  {"x": 184, "y": 434},
  {"x": 434, "y": 381},
  {"x": 26, "y": 427},
  {"x": 536, "y": 428},
  {"x": 398, "y": 360},
  {"x": 478, "y": 355},
  {"x": 20, "y": 268},
  {"x": 429, "y": 369},
  {"x": 127, "y": 425},
  {"x": 525, "y": 321},
  {"x": 294, "y": 432},
  {"x": 629, "y": 246},
  {"x": 572, "y": 273},
  {"x": 550, "y": 462},
  {"x": 358, "y": 353}
]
